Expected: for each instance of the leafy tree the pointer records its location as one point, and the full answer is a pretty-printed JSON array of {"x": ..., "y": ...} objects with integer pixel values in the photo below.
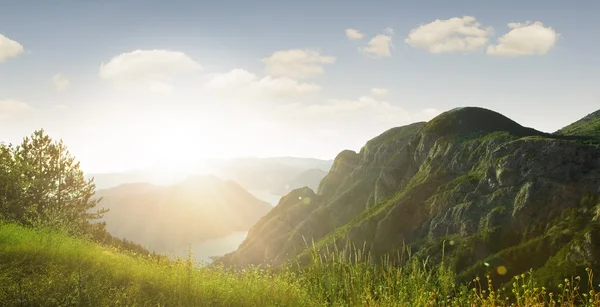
[
  {"x": 11, "y": 180},
  {"x": 54, "y": 190}
]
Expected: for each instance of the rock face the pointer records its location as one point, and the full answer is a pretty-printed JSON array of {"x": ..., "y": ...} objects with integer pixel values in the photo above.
[
  {"x": 168, "y": 218},
  {"x": 471, "y": 182}
]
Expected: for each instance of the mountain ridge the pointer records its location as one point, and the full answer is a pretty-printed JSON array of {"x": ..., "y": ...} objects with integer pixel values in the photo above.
[
  {"x": 586, "y": 127},
  {"x": 469, "y": 176}
]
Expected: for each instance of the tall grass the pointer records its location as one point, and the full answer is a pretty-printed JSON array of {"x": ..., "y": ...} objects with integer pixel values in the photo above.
[{"x": 42, "y": 267}]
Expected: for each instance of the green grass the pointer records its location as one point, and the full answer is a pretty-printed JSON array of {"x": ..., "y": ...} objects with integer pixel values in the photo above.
[
  {"x": 47, "y": 268},
  {"x": 587, "y": 126},
  {"x": 42, "y": 267}
]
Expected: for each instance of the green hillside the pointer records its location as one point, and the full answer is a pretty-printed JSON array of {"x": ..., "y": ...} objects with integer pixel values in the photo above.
[
  {"x": 42, "y": 267},
  {"x": 470, "y": 209},
  {"x": 500, "y": 193},
  {"x": 588, "y": 126}
]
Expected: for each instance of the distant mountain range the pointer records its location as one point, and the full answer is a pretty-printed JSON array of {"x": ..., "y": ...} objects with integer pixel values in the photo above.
[
  {"x": 268, "y": 174},
  {"x": 310, "y": 178},
  {"x": 471, "y": 184},
  {"x": 169, "y": 218}
]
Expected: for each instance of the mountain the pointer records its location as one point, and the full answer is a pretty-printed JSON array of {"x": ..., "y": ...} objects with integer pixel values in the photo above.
[
  {"x": 587, "y": 126},
  {"x": 268, "y": 174},
  {"x": 310, "y": 178},
  {"x": 168, "y": 218},
  {"x": 251, "y": 173},
  {"x": 470, "y": 184},
  {"x": 111, "y": 180}
]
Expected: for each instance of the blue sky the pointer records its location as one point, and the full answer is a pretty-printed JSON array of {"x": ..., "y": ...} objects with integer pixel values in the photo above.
[{"x": 137, "y": 115}]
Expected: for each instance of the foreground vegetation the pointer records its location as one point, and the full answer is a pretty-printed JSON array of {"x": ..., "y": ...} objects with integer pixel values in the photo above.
[
  {"x": 46, "y": 267},
  {"x": 43, "y": 267},
  {"x": 54, "y": 252}
]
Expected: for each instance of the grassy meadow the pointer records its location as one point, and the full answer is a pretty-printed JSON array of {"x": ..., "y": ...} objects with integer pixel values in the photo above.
[{"x": 45, "y": 267}]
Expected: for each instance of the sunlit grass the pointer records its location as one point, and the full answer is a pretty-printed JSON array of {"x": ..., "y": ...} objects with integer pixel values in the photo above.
[
  {"x": 45, "y": 268},
  {"x": 40, "y": 267}
]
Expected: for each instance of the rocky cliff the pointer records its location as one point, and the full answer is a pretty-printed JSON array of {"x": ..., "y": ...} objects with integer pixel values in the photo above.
[{"x": 472, "y": 182}]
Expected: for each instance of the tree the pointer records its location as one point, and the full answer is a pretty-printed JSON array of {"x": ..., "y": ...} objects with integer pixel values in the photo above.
[
  {"x": 55, "y": 191},
  {"x": 11, "y": 180}
]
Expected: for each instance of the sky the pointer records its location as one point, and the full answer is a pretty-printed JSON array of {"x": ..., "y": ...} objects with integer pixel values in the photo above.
[{"x": 163, "y": 84}]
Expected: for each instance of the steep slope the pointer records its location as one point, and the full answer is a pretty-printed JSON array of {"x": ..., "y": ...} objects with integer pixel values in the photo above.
[
  {"x": 165, "y": 219},
  {"x": 471, "y": 180},
  {"x": 310, "y": 178},
  {"x": 351, "y": 185},
  {"x": 587, "y": 126}
]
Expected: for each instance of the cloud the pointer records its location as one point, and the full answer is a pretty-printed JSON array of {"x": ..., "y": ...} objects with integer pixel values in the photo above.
[
  {"x": 350, "y": 111},
  {"x": 9, "y": 48},
  {"x": 389, "y": 31},
  {"x": 450, "y": 35},
  {"x": 150, "y": 69},
  {"x": 11, "y": 108},
  {"x": 379, "y": 92},
  {"x": 61, "y": 82},
  {"x": 242, "y": 82},
  {"x": 379, "y": 46},
  {"x": 297, "y": 63},
  {"x": 354, "y": 34},
  {"x": 525, "y": 39}
]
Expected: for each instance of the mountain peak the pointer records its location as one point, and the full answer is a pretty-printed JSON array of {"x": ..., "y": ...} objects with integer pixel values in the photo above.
[{"x": 469, "y": 120}]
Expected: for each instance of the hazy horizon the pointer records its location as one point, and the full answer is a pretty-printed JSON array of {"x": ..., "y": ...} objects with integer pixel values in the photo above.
[{"x": 128, "y": 88}]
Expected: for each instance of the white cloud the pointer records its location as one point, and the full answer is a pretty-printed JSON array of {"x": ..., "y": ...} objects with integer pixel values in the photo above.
[
  {"x": 379, "y": 92},
  {"x": 379, "y": 46},
  {"x": 354, "y": 34},
  {"x": 297, "y": 63},
  {"x": 450, "y": 35},
  {"x": 61, "y": 82},
  {"x": 525, "y": 39},
  {"x": 150, "y": 69},
  {"x": 12, "y": 108},
  {"x": 363, "y": 106},
  {"x": 349, "y": 111},
  {"x": 242, "y": 82},
  {"x": 389, "y": 31},
  {"x": 9, "y": 48}
]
